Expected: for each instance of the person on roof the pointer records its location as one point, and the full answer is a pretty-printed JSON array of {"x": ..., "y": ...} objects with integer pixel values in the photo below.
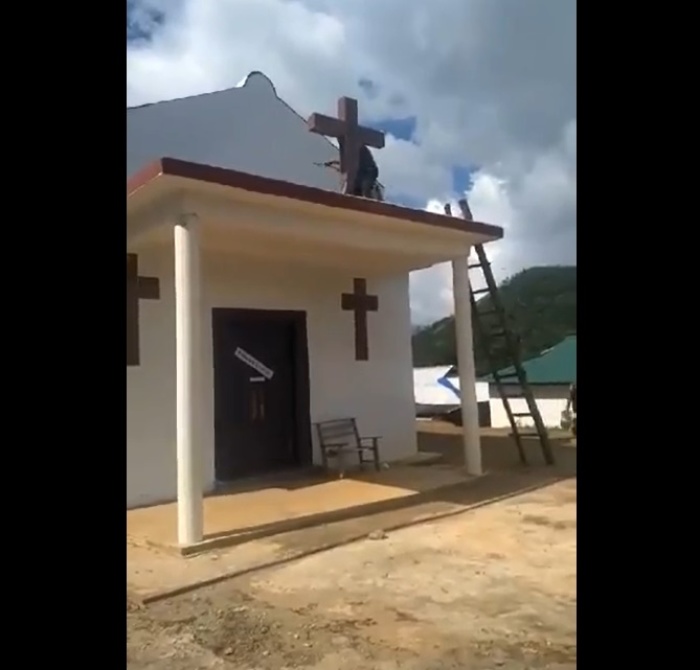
[{"x": 367, "y": 178}]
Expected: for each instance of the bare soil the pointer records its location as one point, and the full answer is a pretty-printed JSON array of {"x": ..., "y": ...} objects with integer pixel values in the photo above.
[
  {"x": 498, "y": 447},
  {"x": 492, "y": 587}
]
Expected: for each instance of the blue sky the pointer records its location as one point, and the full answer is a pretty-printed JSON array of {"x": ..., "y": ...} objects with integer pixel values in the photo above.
[
  {"x": 500, "y": 96},
  {"x": 142, "y": 22},
  {"x": 405, "y": 129}
]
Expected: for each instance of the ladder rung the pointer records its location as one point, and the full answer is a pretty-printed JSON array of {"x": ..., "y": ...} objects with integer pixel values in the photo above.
[
  {"x": 509, "y": 375},
  {"x": 474, "y": 266},
  {"x": 479, "y": 291},
  {"x": 522, "y": 413}
]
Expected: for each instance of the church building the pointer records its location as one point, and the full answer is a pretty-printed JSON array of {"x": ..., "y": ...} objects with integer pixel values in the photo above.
[{"x": 261, "y": 300}]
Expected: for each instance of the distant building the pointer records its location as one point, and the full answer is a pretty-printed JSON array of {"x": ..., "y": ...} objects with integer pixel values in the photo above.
[
  {"x": 549, "y": 375},
  {"x": 436, "y": 390}
]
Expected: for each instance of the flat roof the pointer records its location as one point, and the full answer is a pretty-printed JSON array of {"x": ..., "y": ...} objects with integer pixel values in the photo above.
[{"x": 284, "y": 189}]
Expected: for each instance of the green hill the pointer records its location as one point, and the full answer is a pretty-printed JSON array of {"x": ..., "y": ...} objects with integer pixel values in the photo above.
[{"x": 540, "y": 304}]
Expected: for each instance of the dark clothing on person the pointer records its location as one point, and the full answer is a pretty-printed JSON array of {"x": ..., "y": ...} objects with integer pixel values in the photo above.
[
  {"x": 572, "y": 397},
  {"x": 367, "y": 174},
  {"x": 367, "y": 166}
]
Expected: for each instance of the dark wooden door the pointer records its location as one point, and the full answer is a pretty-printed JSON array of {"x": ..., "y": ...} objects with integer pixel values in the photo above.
[{"x": 254, "y": 385}]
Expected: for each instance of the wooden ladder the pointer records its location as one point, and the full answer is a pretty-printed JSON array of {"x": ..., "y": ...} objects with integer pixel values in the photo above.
[{"x": 499, "y": 334}]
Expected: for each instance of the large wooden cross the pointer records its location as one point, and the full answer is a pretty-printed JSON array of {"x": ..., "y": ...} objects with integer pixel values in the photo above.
[
  {"x": 137, "y": 288},
  {"x": 360, "y": 303},
  {"x": 350, "y": 134}
]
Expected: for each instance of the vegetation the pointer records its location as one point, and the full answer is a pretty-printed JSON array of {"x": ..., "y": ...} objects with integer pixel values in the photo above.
[{"x": 540, "y": 304}]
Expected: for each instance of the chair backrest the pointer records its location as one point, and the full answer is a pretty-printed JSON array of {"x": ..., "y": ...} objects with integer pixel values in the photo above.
[{"x": 337, "y": 431}]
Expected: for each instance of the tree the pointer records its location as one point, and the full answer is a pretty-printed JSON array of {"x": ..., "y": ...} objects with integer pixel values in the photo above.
[{"x": 540, "y": 305}]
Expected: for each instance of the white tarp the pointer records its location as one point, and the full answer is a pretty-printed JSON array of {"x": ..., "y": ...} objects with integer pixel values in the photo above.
[{"x": 429, "y": 390}]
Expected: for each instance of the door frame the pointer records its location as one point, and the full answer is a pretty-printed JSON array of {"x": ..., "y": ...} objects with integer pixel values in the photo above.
[{"x": 221, "y": 316}]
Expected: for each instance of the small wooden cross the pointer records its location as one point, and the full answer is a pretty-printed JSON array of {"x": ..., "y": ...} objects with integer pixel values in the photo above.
[
  {"x": 137, "y": 288},
  {"x": 360, "y": 303},
  {"x": 350, "y": 134}
]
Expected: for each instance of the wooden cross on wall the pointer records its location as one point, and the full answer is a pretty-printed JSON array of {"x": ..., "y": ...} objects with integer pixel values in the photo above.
[
  {"x": 137, "y": 288},
  {"x": 360, "y": 303},
  {"x": 350, "y": 134}
]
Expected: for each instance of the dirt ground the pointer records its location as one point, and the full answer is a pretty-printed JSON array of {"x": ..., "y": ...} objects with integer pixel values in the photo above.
[{"x": 491, "y": 587}]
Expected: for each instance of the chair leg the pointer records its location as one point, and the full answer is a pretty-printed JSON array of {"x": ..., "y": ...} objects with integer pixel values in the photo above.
[
  {"x": 375, "y": 451},
  {"x": 341, "y": 464}
]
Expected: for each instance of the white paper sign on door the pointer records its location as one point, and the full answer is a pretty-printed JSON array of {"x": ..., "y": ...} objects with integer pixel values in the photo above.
[{"x": 261, "y": 368}]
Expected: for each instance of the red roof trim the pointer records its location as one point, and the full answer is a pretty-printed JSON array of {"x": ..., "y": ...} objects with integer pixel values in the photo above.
[{"x": 285, "y": 189}]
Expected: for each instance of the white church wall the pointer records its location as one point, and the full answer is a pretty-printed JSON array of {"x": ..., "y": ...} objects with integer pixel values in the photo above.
[
  {"x": 150, "y": 392},
  {"x": 250, "y": 129},
  {"x": 377, "y": 392},
  {"x": 247, "y": 128}
]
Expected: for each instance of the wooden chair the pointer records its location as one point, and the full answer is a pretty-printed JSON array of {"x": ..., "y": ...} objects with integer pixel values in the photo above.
[{"x": 339, "y": 437}]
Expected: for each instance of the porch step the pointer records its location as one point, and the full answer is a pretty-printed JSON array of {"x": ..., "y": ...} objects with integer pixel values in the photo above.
[{"x": 420, "y": 458}]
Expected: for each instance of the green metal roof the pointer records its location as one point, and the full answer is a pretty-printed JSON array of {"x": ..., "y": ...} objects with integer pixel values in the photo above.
[{"x": 553, "y": 366}]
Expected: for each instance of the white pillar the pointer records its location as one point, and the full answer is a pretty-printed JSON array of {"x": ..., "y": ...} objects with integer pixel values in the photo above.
[
  {"x": 466, "y": 366},
  {"x": 190, "y": 515}
]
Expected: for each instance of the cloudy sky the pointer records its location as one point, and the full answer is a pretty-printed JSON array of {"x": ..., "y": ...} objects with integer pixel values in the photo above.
[{"x": 478, "y": 97}]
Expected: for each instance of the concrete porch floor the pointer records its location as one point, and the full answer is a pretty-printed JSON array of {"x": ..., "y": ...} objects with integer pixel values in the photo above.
[{"x": 269, "y": 506}]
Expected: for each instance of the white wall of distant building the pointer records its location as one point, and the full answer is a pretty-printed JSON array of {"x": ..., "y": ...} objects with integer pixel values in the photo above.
[{"x": 551, "y": 399}]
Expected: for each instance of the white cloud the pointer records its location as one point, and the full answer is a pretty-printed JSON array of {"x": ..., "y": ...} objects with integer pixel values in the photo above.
[
  {"x": 431, "y": 290},
  {"x": 492, "y": 83}
]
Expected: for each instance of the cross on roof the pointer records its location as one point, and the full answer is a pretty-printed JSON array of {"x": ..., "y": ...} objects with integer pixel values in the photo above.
[{"x": 350, "y": 135}]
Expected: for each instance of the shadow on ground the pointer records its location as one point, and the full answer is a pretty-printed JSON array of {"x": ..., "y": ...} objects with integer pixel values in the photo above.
[
  {"x": 318, "y": 533},
  {"x": 505, "y": 477},
  {"x": 499, "y": 451}
]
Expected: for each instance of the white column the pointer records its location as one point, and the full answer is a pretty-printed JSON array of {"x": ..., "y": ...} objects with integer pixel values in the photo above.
[
  {"x": 465, "y": 364},
  {"x": 190, "y": 516}
]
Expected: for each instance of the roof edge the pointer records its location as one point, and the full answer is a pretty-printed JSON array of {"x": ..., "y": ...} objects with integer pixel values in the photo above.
[
  {"x": 144, "y": 176},
  {"x": 276, "y": 187},
  {"x": 253, "y": 75}
]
